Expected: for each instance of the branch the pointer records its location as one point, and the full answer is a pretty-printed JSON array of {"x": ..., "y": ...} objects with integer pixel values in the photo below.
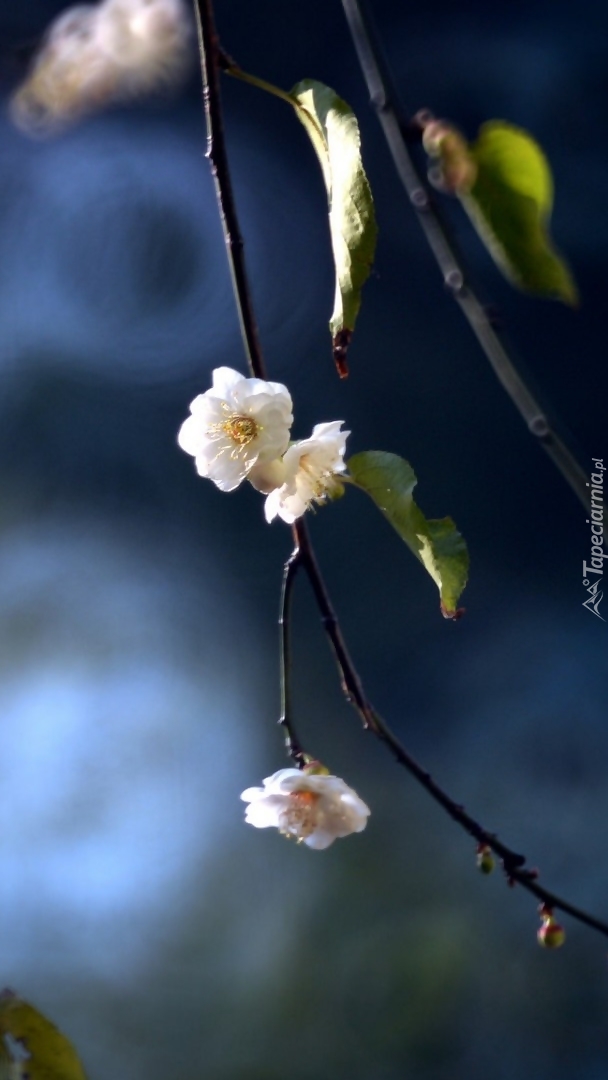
[
  {"x": 398, "y": 134},
  {"x": 514, "y": 864},
  {"x": 216, "y": 152},
  {"x": 292, "y": 743},
  {"x": 352, "y": 687}
]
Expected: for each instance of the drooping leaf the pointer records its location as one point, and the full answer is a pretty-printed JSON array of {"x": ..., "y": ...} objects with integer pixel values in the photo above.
[
  {"x": 390, "y": 481},
  {"x": 505, "y": 185},
  {"x": 334, "y": 133},
  {"x": 31, "y": 1046},
  {"x": 510, "y": 204}
]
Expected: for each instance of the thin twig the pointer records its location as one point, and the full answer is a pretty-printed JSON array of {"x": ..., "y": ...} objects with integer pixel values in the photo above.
[
  {"x": 514, "y": 864},
  {"x": 216, "y": 152},
  {"x": 292, "y": 743},
  {"x": 352, "y": 686},
  {"x": 397, "y": 133},
  {"x": 303, "y": 555}
]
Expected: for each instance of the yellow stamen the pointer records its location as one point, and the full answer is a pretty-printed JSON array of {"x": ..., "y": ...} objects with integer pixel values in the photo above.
[
  {"x": 300, "y": 816},
  {"x": 241, "y": 430},
  {"x": 321, "y": 481}
]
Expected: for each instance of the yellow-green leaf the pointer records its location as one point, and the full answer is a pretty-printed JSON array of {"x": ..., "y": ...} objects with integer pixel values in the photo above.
[
  {"x": 334, "y": 133},
  {"x": 31, "y": 1046},
  {"x": 510, "y": 203},
  {"x": 390, "y": 481}
]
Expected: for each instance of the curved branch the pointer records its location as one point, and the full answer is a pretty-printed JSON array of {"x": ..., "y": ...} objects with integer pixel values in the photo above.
[
  {"x": 514, "y": 864},
  {"x": 216, "y": 152},
  {"x": 292, "y": 743},
  {"x": 398, "y": 134}
]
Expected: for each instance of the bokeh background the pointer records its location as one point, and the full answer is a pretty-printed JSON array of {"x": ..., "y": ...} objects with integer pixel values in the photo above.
[{"x": 138, "y": 605}]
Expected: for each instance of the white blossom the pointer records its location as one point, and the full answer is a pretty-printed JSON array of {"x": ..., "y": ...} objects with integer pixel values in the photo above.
[
  {"x": 312, "y": 467},
  {"x": 147, "y": 40},
  {"x": 68, "y": 74},
  {"x": 236, "y": 426},
  {"x": 267, "y": 475},
  {"x": 96, "y": 55},
  {"x": 314, "y": 809}
]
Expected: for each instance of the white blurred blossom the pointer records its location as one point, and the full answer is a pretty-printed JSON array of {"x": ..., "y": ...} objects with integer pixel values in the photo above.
[
  {"x": 97, "y": 55},
  {"x": 311, "y": 472},
  {"x": 315, "y": 809},
  {"x": 239, "y": 428},
  {"x": 147, "y": 39}
]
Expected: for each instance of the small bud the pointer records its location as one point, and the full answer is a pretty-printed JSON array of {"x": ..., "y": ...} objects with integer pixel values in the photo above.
[
  {"x": 423, "y": 118},
  {"x": 435, "y": 132},
  {"x": 267, "y": 475},
  {"x": 485, "y": 859},
  {"x": 335, "y": 490},
  {"x": 313, "y": 767},
  {"x": 457, "y": 169},
  {"x": 550, "y": 935}
]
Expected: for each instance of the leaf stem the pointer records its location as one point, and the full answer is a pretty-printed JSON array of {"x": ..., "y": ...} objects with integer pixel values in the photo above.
[
  {"x": 398, "y": 134},
  {"x": 230, "y": 67},
  {"x": 303, "y": 555}
]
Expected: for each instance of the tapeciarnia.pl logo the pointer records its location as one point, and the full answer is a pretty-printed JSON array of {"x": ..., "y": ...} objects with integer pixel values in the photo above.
[{"x": 593, "y": 572}]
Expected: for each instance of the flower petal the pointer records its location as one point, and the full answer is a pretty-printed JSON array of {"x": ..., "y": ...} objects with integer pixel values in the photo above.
[
  {"x": 265, "y": 813},
  {"x": 189, "y": 435},
  {"x": 225, "y": 380},
  {"x": 320, "y": 839},
  {"x": 311, "y": 468},
  {"x": 315, "y": 808},
  {"x": 272, "y": 505},
  {"x": 266, "y": 476}
]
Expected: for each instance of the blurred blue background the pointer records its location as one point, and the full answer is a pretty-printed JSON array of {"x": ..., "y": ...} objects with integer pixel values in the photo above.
[{"x": 138, "y": 604}]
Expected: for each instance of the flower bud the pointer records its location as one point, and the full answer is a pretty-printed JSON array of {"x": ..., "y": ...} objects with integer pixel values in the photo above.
[
  {"x": 550, "y": 934},
  {"x": 434, "y": 135},
  {"x": 314, "y": 767},
  {"x": 485, "y": 859},
  {"x": 458, "y": 170},
  {"x": 267, "y": 476}
]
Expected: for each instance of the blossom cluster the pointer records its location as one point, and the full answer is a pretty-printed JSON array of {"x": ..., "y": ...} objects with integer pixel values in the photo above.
[
  {"x": 312, "y": 808},
  {"x": 239, "y": 429},
  {"x": 95, "y": 55}
]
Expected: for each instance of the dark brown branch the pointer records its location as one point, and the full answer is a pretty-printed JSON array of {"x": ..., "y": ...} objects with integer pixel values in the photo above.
[
  {"x": 292, "y": 743},
  {"x": 351, "y": 683},
  {"x": 398, "y": 134},
  {"x": 303, "y": 555},
  {"x": 216, "y": 152},
  {"x": 514, "y": 864}
]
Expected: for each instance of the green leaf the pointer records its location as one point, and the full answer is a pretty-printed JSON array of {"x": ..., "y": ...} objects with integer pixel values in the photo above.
[
  {"x": 390, "y": 481},
  {"x": 334, "y": 133},
  {"x": 510, "y": 204},
  {"x": 31, "y": 1046}
]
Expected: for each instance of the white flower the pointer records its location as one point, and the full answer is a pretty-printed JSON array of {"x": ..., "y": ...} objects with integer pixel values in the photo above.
[
  {"x": 238, "y": 424},
  {"x": 147, "y": 40},
  {"x": 96, "y": 55},
  {"x": 315, "y": 809},
  {"x": 68, "y": 74},
  {"x": 311, "y": 468}
]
